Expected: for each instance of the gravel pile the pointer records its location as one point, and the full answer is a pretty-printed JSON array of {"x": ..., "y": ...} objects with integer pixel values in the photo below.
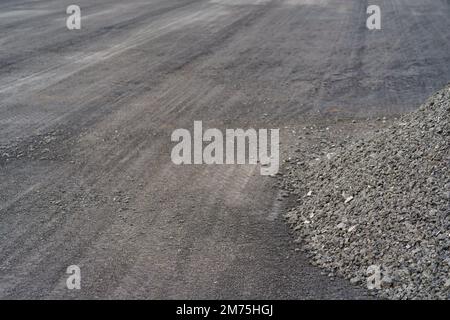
[{"x": 382, "y": 203}]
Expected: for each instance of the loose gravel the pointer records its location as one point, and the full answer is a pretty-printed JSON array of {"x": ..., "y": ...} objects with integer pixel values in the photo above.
[{"x": 381, "y": 204}]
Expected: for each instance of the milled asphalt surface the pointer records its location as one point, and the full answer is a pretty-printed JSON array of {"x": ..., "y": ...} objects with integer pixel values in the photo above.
[{"x": 86, "y": 117}]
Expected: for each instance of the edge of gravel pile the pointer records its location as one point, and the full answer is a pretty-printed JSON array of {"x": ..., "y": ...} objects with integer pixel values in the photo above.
[{"x": 377, "y": 210}]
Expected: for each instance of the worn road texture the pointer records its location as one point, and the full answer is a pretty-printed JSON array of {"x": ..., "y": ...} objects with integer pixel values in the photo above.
[{"x": 86, "y": 117}]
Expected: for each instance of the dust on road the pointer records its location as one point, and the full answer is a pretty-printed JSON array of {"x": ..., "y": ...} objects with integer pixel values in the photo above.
[{"x": 86, "y": 118}]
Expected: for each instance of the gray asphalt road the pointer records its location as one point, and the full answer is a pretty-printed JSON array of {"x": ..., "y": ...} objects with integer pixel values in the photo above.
[{"x": 85, "y": 124}]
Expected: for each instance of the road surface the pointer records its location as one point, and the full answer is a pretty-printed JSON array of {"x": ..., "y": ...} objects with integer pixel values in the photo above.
[{"x": 86, "y": 117}]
